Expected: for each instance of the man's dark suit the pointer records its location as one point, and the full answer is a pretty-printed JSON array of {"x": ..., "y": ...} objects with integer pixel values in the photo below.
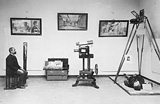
[{"x": 12, "y": 66}]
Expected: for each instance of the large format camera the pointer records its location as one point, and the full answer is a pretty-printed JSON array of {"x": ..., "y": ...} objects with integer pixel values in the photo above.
[{"x": 139, "y": 17}]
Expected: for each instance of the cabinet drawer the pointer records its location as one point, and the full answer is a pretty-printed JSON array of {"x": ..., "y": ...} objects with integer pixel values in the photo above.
[
  {"x": 56, "y": 78},
  {"x": 57, "y": 72}
]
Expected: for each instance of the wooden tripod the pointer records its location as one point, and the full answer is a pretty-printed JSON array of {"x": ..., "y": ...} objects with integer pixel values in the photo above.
[{"x": 151, "y": 37}]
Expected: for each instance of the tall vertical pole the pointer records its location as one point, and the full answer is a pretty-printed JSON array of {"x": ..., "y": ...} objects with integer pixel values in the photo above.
[{"x": 25, "y": 56}]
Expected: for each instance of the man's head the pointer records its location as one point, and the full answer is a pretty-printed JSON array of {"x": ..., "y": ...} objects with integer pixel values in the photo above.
[
  {"x": 35, "y": 23},
  {"x": 12, "y": 50}
]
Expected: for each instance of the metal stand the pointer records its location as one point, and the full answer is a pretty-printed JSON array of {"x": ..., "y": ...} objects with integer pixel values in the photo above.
[
  {"x": 86, "y": 74},
  {"x": 151, "y": 37}
]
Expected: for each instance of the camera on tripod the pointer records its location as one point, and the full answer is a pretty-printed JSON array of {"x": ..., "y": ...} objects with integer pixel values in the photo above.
[{"x": 139, "y": 17}]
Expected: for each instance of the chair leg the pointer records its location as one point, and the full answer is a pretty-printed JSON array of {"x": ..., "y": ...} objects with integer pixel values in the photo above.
[
  {"x": 11, "y": 82},
  {"x": 7, "y": 80},
  {"x": 14, "y": 81}
]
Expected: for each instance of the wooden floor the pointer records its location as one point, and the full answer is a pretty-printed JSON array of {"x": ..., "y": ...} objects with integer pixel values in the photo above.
[{"x": 40, "y": 91}]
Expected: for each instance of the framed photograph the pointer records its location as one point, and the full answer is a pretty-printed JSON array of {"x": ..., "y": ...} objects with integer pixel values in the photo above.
[
  {"x": 25, "y": 26},
  {"x": 72, "y": 21},
  {"x": 113, "y": 28}
]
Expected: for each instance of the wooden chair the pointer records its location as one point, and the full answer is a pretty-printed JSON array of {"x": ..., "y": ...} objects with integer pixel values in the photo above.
[{"x": 11, "y": 81}]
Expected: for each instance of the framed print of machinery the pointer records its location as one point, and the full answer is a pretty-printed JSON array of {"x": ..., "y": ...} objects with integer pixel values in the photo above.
[
  {"x": 26, "y": 26},
  {"x": 113, "y": 28},
  {"x": 72, "y": 21}
]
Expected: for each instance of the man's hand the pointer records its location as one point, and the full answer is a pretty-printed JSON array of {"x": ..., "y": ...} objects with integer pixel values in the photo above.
[
  {"x": 19, "y": 70},
  {"x": 22, "y": 69}
]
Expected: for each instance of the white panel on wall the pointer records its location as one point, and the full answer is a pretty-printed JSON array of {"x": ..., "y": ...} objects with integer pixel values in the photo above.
[{"x": 151, "y": 61}]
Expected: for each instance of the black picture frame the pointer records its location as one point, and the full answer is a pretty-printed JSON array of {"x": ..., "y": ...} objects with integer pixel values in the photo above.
[
  {"x": 72, "y": 21},
  {"x": 113, "y": 28},
  {"x": 26, "y": 26}
]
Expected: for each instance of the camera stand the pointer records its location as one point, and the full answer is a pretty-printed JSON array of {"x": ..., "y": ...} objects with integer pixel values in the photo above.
[{"x": 86, "y": 74}]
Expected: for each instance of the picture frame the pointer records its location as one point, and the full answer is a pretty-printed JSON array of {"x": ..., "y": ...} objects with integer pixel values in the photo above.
[
  {"x": 113, "y": 28},
  {"x": 72, "y": 21},
  {"x": 26, "y": 26}
]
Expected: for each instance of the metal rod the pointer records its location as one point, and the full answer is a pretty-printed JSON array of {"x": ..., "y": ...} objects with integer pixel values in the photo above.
[
  {"x": 83, "y": 64},
  {"x": 140, "y": 64},
  {"x": 137, "y": 37},
  {"x": 88, "y": 63}
]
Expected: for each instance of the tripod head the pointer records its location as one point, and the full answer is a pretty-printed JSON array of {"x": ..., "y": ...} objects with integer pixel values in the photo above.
[
  {"x": 84, "y": 49},
  {"x": 139, "y": 17}
]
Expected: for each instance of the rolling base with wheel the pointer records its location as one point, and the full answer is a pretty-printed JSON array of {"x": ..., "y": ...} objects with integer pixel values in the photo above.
[{"x": 86, "y": 76}]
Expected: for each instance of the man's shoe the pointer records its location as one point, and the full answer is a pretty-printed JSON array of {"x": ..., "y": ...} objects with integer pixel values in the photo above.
[
  {"x": 13, "y": 87},
  {"x": 21, "y": 87},
  {"x": 26, "y": 85}
]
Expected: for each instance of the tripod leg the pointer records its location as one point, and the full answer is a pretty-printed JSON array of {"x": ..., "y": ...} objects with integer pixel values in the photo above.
[
  {"x": 152, "y": 34},
  {"x": 153, "y": 40},
  {"x": 122, "y": 60},
  {"x": 74, "y": 85},
  {"x": 94, "y": 84},
  {"x": 129, "y": 42},
  {"x": 77, "y": 81},
  {"x": 140, "y": 54},
  {"x": 137, "y": 37}
]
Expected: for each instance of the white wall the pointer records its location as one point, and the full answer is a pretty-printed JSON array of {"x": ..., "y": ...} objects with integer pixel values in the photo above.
[
  {"x": 53, "y": 43},
  {"x": 151, "y": 63}
]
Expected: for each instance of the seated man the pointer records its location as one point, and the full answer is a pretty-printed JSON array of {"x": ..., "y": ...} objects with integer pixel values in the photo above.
[{"x": 13, "y": 68}]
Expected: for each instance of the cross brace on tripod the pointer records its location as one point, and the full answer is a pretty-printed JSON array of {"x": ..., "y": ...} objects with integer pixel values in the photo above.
[{"x": 140, "y": 19}]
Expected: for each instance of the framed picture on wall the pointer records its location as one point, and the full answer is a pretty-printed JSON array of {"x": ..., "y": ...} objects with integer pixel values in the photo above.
[
  {"x": 72, "y": 21},
  {"x": 113, "y": 28},
  {"x": 26, "y": 26}
]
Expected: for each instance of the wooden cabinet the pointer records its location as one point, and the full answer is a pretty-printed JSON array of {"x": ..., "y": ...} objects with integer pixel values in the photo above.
[{"x": 56, "y": 75}]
